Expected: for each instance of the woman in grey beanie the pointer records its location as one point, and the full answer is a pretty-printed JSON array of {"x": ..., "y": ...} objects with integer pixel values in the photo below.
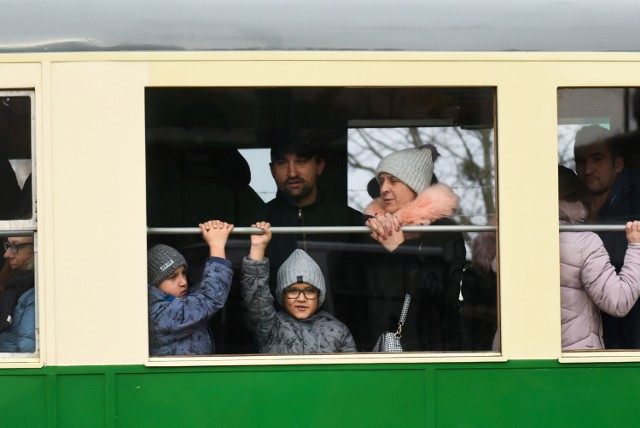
[
  {"x": 426, "y": 265},
  {"x": 407, "y": 197}
]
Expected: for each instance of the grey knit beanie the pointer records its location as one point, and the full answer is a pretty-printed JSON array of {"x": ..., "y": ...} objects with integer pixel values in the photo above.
[
  {"x": 414, "y": 167},
  {"x": 162, "y": 261},
  {"x": 300, "y": 267}
]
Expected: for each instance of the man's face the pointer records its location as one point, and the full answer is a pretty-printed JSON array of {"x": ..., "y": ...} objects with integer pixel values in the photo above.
[
  {"x": 296, "y": 176},
  {"x": 597, "y": 168}
]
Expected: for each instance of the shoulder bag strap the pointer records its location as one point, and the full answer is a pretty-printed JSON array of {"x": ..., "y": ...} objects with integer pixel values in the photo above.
[{"x": 403, "y": 315}]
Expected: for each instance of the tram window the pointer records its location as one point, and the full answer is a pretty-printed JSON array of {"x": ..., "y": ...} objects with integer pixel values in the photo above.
[
  {"x": 17, "y": 298},
  {"x": 15, "y": 156},
  {"x": 17, "y": 226},
  {"x": 599, "y": 155},
  {"x": 208, "y": 153}
]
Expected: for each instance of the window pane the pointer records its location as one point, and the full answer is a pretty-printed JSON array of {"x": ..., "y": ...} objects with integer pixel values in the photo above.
[
  {"x": 598, "y": 149},
  {"x": 307, "y": 157},
  {"x": 17, "y": 267},
  {"x": 15, "y": 156},
  {"x": 17, "y": 296}
]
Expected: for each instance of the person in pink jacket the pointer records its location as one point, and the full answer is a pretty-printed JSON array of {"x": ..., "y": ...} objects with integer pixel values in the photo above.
[{"x": 588, "y": 281}]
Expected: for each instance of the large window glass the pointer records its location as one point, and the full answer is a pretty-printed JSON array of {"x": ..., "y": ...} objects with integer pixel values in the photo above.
[
  {"x": 319, "y": 164},
  {"x": 599, "y": 186},
  {"x": 17, "y": 226}
]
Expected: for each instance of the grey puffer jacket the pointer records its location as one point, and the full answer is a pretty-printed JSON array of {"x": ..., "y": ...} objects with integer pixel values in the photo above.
[
  {"x": 276, "y": 332},
  {"x": 178, "y": 326},
  {"x": 588, "y": 281}
]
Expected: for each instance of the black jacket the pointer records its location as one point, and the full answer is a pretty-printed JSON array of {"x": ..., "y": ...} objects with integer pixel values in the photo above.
[{"x": 429, "y": 267}]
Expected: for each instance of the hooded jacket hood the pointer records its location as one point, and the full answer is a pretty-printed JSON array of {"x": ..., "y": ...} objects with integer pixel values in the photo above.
[
  {"x": 572, "y": 212},
  {"x": 483, "y": 252}
]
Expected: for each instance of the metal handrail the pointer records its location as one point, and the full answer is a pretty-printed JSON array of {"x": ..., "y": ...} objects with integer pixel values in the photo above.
[
  {"x": 319, "y": 229},
  {"x": 15, "y": 232},
  {"x": 592, "y": 228}
]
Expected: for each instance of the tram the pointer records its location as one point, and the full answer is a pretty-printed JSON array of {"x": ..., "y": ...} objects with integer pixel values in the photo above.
[{"x": 126, "y": 124}]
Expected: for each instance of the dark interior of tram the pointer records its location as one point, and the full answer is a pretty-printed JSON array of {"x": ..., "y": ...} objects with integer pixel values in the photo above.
[{"x": 15, "y": 157}]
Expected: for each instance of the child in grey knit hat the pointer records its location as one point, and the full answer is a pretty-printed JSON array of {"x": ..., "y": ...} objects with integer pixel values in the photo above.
[
  {"x": 300, "y": 290},
  {"x": 178, "y": 315}
]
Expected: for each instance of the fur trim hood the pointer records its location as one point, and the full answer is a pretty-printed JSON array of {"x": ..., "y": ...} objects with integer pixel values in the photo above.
[
  {"x": 572, "y": 212},
  {"x": 435, "y": 202},
  {"x": 483, "y": 251}
]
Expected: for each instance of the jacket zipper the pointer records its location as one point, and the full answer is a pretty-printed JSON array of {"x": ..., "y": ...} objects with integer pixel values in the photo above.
[{"x": 301, "y": 223}]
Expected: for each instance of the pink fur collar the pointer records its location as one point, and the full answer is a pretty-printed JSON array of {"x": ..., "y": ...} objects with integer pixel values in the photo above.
[{"x": 436, "y": 202}]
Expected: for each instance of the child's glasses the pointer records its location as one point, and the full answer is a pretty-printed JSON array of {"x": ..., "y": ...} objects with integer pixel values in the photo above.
[
  {"x": 309, "y": 293},
  {"x": 15, "y": 247}
]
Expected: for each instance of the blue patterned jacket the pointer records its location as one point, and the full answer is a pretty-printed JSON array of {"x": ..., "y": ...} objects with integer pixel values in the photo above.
[{"x": 178, "y": 326}]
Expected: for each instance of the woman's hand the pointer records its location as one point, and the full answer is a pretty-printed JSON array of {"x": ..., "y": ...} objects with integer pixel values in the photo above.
[
  {"x": 215, "y": 233},
  {"x": 633, "y": 231},
  {"x": 259, "y": 242},
  {"x": 386, "y": 230}
]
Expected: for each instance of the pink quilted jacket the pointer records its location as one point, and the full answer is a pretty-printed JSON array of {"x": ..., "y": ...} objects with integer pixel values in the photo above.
[{"x": 588, "y": 281}]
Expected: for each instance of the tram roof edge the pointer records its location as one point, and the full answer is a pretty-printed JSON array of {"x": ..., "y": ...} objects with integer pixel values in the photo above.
[{"x": 320, "y": 25}]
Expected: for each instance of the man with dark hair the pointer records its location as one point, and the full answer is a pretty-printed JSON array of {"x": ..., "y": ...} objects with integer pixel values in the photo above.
[
  {"x": 614, "y": 198},
  {"x": 296, "y": 170}
]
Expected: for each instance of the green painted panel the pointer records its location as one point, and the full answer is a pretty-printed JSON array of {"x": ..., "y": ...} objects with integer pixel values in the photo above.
[
  {"x": 81, "y": 401},
  {"x": 543, "y": 397},
  {"x": 514, "y": 393},
  {"x": 301, "y": 398},
  {"x": 23, "y": 401}
]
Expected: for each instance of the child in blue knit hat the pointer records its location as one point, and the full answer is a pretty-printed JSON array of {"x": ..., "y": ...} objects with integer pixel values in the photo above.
[{"x": 178, "y": 315}]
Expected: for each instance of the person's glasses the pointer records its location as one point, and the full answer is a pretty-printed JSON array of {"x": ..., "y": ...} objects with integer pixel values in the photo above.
[
  {"x": 309, "y": 293},
  {"x": 15, "y": 247}
]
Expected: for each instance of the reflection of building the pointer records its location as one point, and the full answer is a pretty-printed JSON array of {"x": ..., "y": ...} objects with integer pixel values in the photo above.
[
  {"x": 615, "y": 109},
  {"x": 22, "y": 168}
]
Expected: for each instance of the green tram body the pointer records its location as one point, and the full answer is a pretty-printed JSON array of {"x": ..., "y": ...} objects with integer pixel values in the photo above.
[
  {"x": 515, "y": 393},
  {"x": 531, "y": 389}
]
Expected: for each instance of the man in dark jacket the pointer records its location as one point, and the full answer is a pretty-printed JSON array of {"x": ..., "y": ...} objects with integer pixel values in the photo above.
[{"x": 614, "y": 199}]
